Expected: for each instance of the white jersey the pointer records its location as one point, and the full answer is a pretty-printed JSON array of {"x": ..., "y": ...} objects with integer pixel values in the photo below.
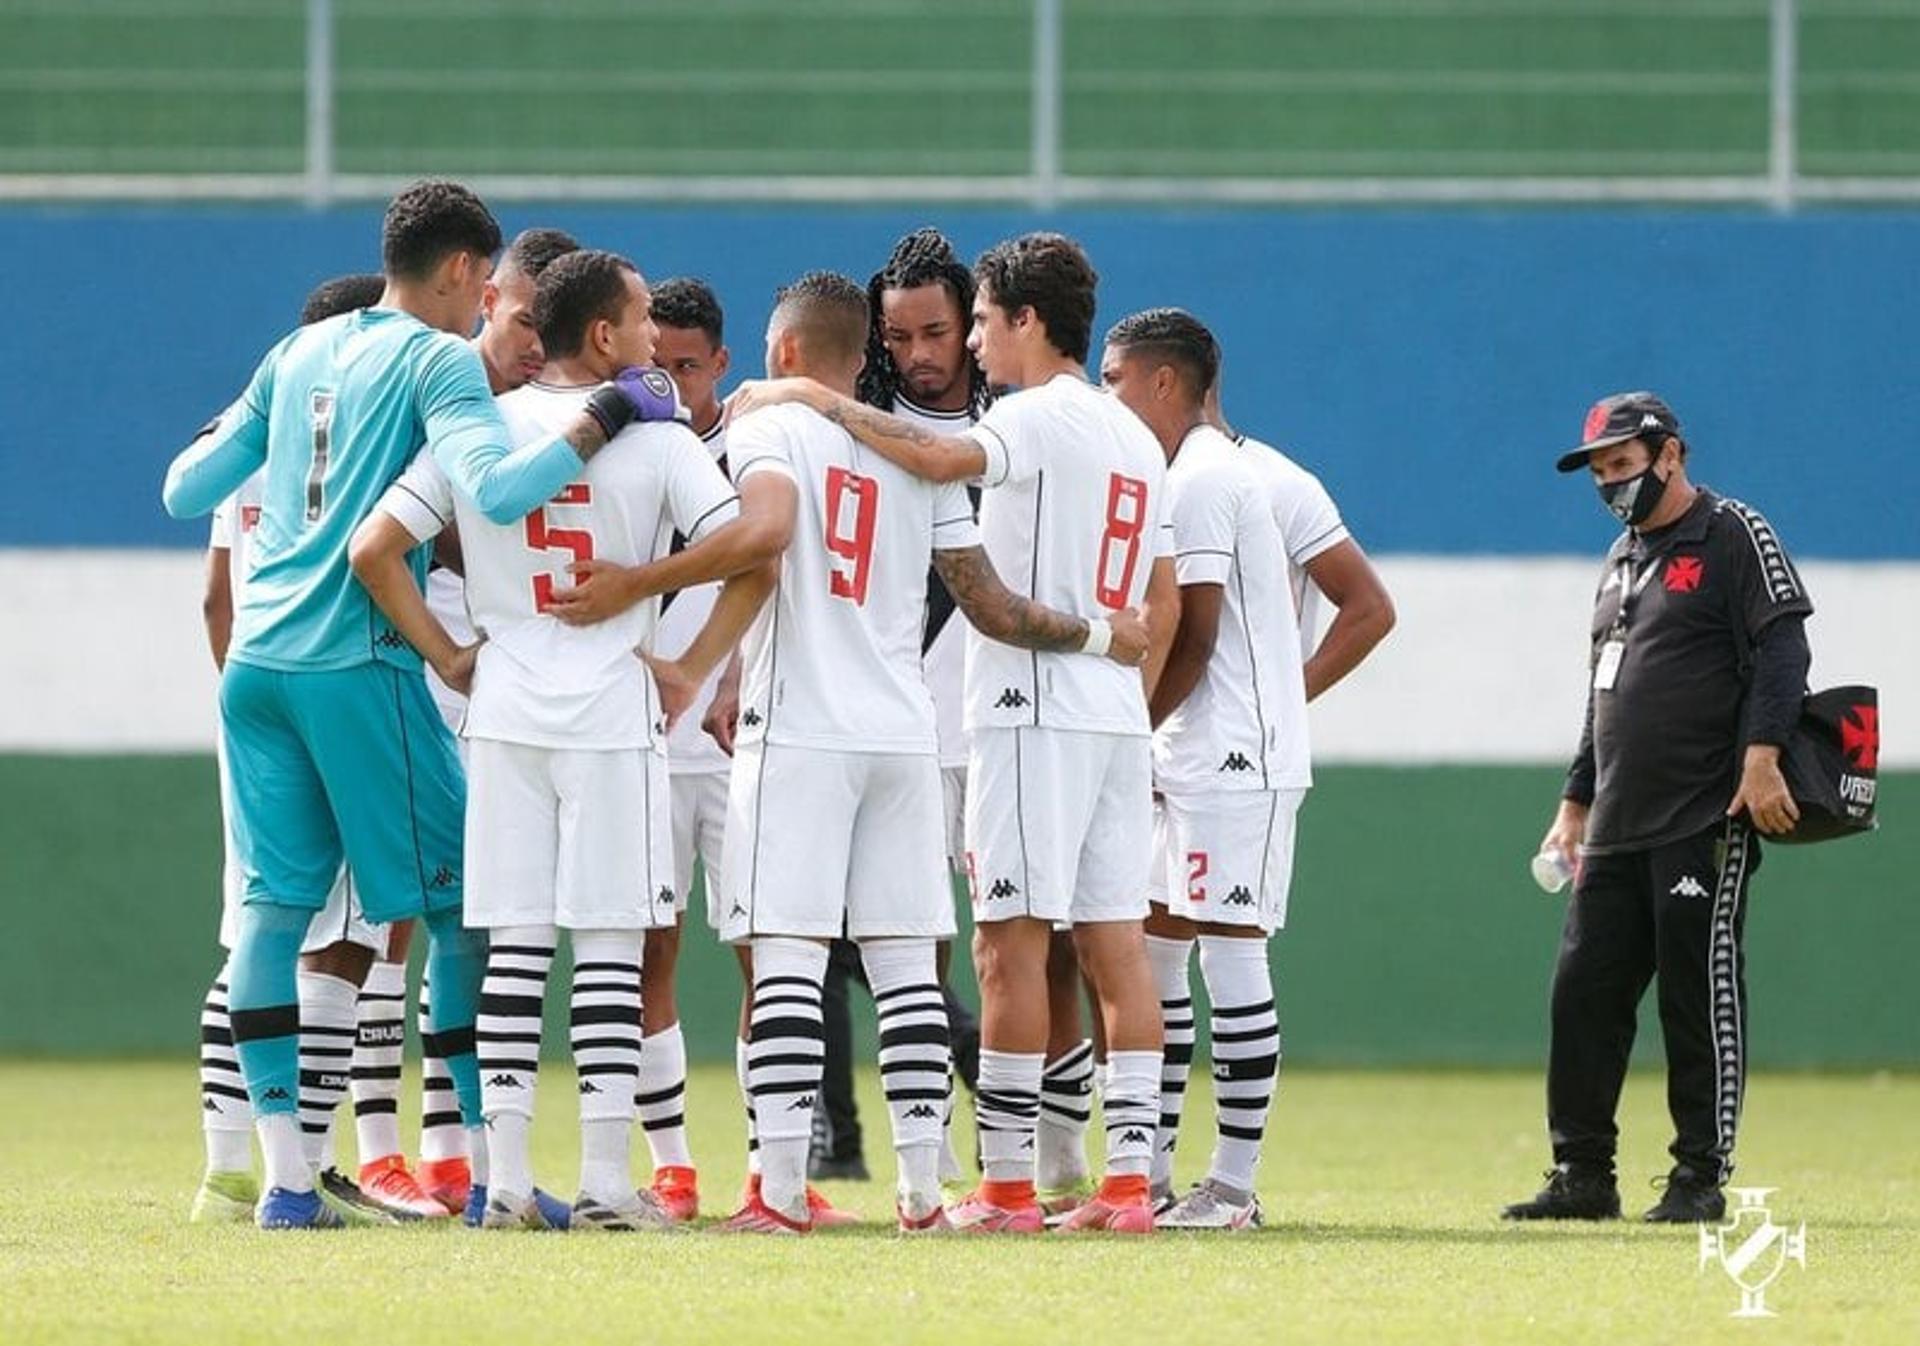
[
  {"x": 1244, "y": 725},
  {"x": 833, "y": 659},
  {"x": 1309, "y": 524},
  {"x": 689, "y": 747},
  {"x": 944, "y": 661},
  {"x": 234, "y": 522},
  {"x": 1074, "y": 516},
  {"x": 539, "y": 681}
]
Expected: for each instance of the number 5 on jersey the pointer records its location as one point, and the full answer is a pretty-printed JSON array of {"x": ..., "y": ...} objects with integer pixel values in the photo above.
[
  {"x": 543, "y": 537},
  {"x": 853, "y": 505}
]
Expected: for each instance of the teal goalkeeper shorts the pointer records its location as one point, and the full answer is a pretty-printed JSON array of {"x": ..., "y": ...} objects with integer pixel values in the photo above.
[{"x": 350, "y": 764}]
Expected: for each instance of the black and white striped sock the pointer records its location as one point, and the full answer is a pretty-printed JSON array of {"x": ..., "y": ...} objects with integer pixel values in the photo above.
[
  {"x": 1007, "y": 1109},
  {"x": 328, "y": 1025},
  {"x": 442, "y": 1135},
  {"x": 382, "y": 1033},
  {"x": 786, "y": 1057},
  {"x": 507, "y": 1039},
  {"x": 1169, "y": 960},
  {"x": 916, "y": 1060},
  {"x": 1066, "y": 1107},
  {"x": 661, "y": 1097},
  {"x": 226, "y": 1114},
  {"x": 1245, "y": 1034},
  {"x": 605, "y": 1032},
  {"x": 1130, "y": 1106}
]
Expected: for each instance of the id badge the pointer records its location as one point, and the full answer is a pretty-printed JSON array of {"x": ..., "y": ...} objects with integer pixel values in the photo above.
[{"x": 1606, "y": 669}]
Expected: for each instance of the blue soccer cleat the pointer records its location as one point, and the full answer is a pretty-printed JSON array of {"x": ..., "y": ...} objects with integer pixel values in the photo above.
[
  {"x": 550, "y": 1210},
  {"x": 282, "y": 1209}
]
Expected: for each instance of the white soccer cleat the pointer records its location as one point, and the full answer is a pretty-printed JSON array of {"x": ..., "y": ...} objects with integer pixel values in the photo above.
[
  {"x": 637, "y": 1211},
  {"x": 1208, "y": 1207}
]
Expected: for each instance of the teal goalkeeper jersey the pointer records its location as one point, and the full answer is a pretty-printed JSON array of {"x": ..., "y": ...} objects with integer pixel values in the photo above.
[{"x": 336, "y": 411}]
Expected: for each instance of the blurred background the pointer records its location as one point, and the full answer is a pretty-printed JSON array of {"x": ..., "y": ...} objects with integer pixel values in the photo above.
[{"x": 1428, "y": 232}]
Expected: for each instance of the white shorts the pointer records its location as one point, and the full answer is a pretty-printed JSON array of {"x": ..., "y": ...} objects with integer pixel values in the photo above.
[
  {"x": 699, "y": 833},
  {"x": 953, "y": 794},
  {"x": 578, "y": 838},
  {"x": 1059, "y": 825},
  {"x": 821, "y": 844},
  {"x": 1226, "y": 858},
  {"x": 340, "y": 919}
]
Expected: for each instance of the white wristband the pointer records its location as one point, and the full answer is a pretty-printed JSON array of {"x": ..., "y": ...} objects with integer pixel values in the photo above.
[{"x": 1099, "y": 636}]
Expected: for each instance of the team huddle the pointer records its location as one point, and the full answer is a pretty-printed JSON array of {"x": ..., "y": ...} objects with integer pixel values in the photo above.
[{"x": 520, "y": 630}]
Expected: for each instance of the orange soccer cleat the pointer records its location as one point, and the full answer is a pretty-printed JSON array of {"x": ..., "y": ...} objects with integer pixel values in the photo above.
[
  {"x": 677, "y": 1189},
  {"x": 447, "y": 1181},
  {"x": 388, "y": 1184},
  {"x": 1123, "y": 1205}
]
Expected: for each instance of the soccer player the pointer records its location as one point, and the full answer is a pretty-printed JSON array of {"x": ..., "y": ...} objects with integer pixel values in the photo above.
[
  {"x": 1230, "y": 760},
  {"x": 509, "y": 348},
  {"x": 1059, "y": 808},
  {"x": 333, "y": 744},
  {"x": 690, "y": 348},
  {"x": 569, "y": 825},
  {"x": 834, "y": 814},
  {"x": 337, "y": 940}
]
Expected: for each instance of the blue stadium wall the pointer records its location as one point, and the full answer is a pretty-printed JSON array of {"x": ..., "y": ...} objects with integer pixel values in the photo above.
[{"x": 1427, "y": 364}]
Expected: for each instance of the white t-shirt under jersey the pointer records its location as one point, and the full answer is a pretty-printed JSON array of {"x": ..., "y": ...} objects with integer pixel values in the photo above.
[
  {"x": 833, "y": 659},
  {"x": 945, "y": 661},
  {"x": 1074, "y": 516},
  {"x": 1244, "y": 725},
  {"x": 541, "y": 682},
  {"x": 691, "y": 749},
  {"x": 1309, "y": 524}
]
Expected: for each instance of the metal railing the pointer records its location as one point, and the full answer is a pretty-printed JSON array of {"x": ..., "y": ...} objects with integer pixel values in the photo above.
[{"x": 1044, "y": 186}]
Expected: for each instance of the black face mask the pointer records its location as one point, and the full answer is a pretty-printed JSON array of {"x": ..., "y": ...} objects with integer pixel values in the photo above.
[{"x": 1632, "y": 500}]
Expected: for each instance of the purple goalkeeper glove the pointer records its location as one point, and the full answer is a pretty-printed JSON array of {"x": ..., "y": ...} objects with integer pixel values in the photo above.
[{"x": 636, "y": 394}]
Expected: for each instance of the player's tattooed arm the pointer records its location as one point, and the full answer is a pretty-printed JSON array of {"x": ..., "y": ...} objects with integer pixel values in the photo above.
[
  {"x": 1000, "y": 614},
  {"x": 900, "y": 441}
]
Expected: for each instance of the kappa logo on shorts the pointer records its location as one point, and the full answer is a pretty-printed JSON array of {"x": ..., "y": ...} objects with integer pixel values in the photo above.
[
  {"x": 442, "y": 877},
  {"x": 1688, "y": 886},
  {"x": 1002, "y": 888},
  {"x": 1236, "y": 761},
  {"x": 750, "y": 718},
  {"x": 1011, "y": 698},
  {"x": 1238, "y": 897},
  {"x": 665, "y": 896},
  {"x": 924, "y": 1110},
  {"x": 738, "y": 910},
  {"x": 389, "y": 639}
]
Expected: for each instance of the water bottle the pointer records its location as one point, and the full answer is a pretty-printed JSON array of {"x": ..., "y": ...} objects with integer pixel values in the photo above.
[{"x": 1551, "y": 870}]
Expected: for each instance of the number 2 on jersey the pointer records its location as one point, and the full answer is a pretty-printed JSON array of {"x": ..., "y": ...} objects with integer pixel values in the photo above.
[
  {"x": 1120, "y": 544},
  {"x": 853, "y": 504},
  {"x": 542, "y": 537}
]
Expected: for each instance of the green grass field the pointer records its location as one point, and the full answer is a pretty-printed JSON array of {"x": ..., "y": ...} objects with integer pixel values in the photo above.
[{"x": 1380, "y": 1189}]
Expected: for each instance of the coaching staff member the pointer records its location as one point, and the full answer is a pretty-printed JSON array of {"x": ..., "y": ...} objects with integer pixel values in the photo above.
[{"x": 1699, "y": 665}]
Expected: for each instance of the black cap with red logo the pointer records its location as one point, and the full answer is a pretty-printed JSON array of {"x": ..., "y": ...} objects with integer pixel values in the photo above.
[{"x": 1617, "y": 419}]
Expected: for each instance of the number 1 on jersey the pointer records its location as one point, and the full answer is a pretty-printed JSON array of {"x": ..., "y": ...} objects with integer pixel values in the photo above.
[
  {"x": 1120, "y": 544},
  {"x": 853, "y": 505},
  {"x": 541, "y": 537},
  {"x": 320, "y": 414}
]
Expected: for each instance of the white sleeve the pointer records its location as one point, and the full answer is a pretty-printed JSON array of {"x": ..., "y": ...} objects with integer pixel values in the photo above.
[
  {"x": 1162, "y": 523},
  {"x": 220, "y": 532},
  {"x": 699, "y": 496},
  {"x": 953, "y": 522},
  {"x": 1309, "y": 521},
  {"x": 1007, "y": 436},
  {"x": 757, "y": 445},
  {"x": 421, "y": 501},
  {"x": 1203, "y": 526}
]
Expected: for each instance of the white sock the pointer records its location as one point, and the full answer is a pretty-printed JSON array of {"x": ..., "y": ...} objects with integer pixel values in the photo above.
[
  {"x": 606, "y": 1056},
  {"x": 1169, "y": 960},
  {"x": 226, "y": 1114},
  {"x": 284, "y": 1153},
  {"x": 1066, "y": 1107},
  {"x": 662, "y": 1097},
  {"x": 473, "y": 1144},
  {"x": 785, "y": 1060},
  {"x": 1008, "y": 1108},
  {"x": 746, "y": 1103},
  {"x": 1131, "y": 1107},
  {"x": 1245, "y": 1043},
  {"x": 380, "y": 1038},
  {"x": 329, "y": 1023},
  {"x": 510, "y": 1153},
  {"x": 443, "y": 1135}
]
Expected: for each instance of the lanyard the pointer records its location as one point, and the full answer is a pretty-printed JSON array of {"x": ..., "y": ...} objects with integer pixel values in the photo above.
[{"x": 1631, "y": 586}]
